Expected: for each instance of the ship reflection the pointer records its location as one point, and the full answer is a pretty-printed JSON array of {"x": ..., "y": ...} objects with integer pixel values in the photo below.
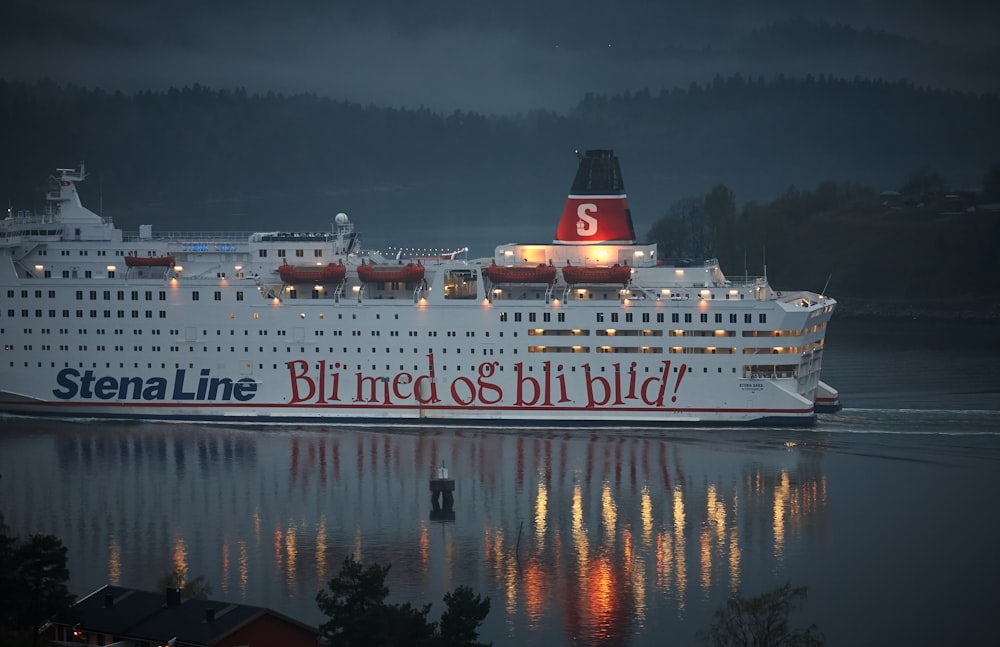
[{"x": 594, "y": 533}]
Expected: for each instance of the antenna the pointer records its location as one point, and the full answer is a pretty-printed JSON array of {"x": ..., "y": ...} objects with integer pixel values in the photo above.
[{"x": 827, "y": 284}]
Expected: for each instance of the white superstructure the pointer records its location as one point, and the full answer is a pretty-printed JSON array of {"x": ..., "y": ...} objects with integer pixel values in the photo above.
[{"x": 226, "y": 326}]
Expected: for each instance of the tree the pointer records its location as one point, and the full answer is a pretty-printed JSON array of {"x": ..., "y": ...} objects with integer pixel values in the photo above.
[
  {"x": 354, "y": 601},
  {"x": 460, "y": 621},
  {"x": 41, "y": 567},
  {"x": 9, "y": 589},
  {"x": 922, "y": 181},
  {"x": 761, "y": 621},
  {"x": 991, "y": 185},
  {"x": 195, "y": 589},
  {"x": 720, "y": 223},
  {"x": 355, "y": 595}
]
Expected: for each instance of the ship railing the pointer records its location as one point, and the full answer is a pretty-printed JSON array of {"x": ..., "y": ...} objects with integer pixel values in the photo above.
[
  {"x": 745, "y": 281},
  {"x": 196, "y": 236},
  {"x": 687, "y": 262}
]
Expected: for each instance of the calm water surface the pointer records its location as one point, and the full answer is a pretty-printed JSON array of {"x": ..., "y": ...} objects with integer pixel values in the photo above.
[{"x": 886, "y": 511}]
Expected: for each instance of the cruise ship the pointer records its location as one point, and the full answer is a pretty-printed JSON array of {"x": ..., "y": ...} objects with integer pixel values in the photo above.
[{"x": 590, "y": 329}]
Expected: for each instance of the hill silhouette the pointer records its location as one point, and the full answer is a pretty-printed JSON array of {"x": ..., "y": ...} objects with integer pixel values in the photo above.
[{"x": 202, "y": 158}]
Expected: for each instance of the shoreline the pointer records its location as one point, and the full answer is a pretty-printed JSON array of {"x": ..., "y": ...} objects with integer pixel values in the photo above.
[{"x": 960, "y": 310}]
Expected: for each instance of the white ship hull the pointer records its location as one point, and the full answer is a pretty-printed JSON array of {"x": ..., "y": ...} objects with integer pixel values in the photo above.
[{"x": 215, "y": 334}]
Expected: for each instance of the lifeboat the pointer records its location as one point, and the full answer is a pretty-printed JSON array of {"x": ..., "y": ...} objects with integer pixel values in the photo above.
[
  {"x": 409, "y": 273},
  {"x": 616, "y": 274},
  {"x": 330, "y": 273},
  {"x": 149, "y": 261},
  {"x": 520, "y": 274}
]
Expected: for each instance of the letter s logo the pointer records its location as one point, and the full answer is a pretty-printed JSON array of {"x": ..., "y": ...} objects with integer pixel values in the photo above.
[{"x": 587, "y": 224}]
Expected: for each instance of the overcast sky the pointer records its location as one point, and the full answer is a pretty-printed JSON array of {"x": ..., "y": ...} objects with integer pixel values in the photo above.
[{"x": 481, "y": 55}]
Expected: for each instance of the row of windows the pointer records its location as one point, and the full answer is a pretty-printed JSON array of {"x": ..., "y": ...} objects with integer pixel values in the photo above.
[
  {"x": 472, "y": 367},
  {"x": 120, "y": 314},
  {"x": 749, "y": 371},
  {"x": 534, "y": 332},
  {"x": 299, "y": 253},
  {"x": 675, "y": 317},
  {"x": 613, "y": 317},
  {"x": 472, "y": 351}
]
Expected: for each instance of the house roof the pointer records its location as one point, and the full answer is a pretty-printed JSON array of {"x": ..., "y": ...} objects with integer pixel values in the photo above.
[{"x": 159, "y": 617}]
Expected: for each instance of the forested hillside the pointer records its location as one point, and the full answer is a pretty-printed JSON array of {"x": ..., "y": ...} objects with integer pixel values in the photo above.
[{"x": 207, "y": 158}]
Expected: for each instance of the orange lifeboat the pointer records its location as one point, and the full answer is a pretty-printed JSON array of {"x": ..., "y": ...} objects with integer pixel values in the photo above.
[
  {"x": 615, "y": 274},
  {"x": 520, "y": 274},
  {"x": 149, "y": 261},
  {"x": 409, "y": 273},
  {"x": 330, "y": 273}
]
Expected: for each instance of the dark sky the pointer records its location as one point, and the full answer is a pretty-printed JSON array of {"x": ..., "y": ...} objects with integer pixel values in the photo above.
[{"x": 489, "y": 56}]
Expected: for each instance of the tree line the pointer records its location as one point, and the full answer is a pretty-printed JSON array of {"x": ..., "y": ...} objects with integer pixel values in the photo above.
[
  {"x": 198, "y": 142},
  {"x": 851, "y": 241},
  {"x": 729, "y": 142}
]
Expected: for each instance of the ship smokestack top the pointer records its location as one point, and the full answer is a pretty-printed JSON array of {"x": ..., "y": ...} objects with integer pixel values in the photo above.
[
  {"x": 596, "y": 210},
  {"x": 598, "y": 173}
]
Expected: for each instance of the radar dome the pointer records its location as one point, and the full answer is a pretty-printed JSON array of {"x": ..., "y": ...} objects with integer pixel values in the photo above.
[{"x": 341, "y": 219}]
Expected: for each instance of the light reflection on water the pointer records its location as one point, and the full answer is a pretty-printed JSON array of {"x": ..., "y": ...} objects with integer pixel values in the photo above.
[{"x": 586, "y": 537}]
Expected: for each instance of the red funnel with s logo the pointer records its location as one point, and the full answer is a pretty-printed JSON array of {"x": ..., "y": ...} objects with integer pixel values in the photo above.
[{"x": 597, "y": 210}]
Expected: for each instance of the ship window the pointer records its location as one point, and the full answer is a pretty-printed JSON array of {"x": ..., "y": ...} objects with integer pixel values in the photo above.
[
  {"x": 79, "y": 295},
  {"x": 600, "y": 317},
  {"x": 517, "y": 316},
  {"x": 674, "y": 317},
  {"x": 546, "y": 317},
  {"x": 703, "y": 317},
  {"x": 687, "y": 317},
  {"x": 763, "y": 317},
  {"x": 281, "y": 252},
  {"x": 718, "y": 317},
  {"x": 732, "y": 317},
  {"x": 503, "y": 316},
  {"x": 659, "y": 317},
  {"x": 262, "y": 253},
  {"x": 628, "y": 317},
  {"x": 318, "y": 253},
  {"x": 239, "y": 295},
  {"x": 614, "y": 317},
  {"x": 645, "y": 317},
  {"x": 299, "y": 253},
  {"x": 217, "y": 295}
]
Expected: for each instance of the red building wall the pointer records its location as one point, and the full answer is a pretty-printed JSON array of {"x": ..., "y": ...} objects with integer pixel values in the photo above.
[{"x": 270, "y": 631}]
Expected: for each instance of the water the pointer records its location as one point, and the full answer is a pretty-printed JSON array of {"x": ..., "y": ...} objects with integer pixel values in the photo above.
[{"x": 887, "y": 511}]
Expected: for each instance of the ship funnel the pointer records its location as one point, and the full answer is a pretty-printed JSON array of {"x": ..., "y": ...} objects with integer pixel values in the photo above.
[{"x": 597, "y": 208}]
